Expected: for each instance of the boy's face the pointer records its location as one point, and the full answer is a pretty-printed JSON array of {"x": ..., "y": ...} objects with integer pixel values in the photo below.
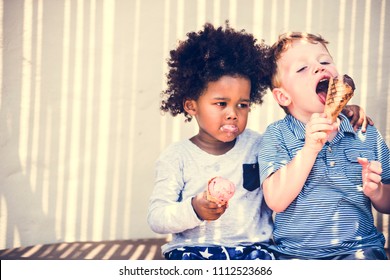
[
  {"x": 301, "y": 69},
  {"x": 222, "y": 109}
]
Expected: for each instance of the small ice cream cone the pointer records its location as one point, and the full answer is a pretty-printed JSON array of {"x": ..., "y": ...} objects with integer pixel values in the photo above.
[
  {"x": 219, "y": 190},
  {"x": 340, "y": 91}
]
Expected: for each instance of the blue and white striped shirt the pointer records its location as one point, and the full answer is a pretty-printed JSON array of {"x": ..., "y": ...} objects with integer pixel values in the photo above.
[{"x": 331, "y": 215}]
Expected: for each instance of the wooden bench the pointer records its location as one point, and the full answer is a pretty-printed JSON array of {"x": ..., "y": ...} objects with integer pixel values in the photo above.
[{"x": 139, "y": 249}]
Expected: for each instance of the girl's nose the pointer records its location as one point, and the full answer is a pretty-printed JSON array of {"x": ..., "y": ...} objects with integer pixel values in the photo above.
[{"x": 231, "y": 115}]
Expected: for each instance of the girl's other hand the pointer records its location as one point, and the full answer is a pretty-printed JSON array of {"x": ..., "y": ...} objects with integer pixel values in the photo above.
[{"x": 357, "y": 117}]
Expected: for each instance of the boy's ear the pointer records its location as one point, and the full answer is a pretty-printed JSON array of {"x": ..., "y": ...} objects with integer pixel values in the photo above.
[
  {"x": 282, "y": 97},
  {"x": 190, "y": 107}
]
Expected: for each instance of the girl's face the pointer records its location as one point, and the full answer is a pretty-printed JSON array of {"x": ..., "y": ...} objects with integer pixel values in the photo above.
[
  {"x": 222, "y": 110},
  {"x": 302, "y": 67}
]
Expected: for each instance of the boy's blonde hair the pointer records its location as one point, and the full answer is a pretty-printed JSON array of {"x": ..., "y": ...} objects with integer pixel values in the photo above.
[{"x": 283, "y": 43}]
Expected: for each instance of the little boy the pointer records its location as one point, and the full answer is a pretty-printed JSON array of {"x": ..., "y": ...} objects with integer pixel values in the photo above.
[{"x": 309, "y": 166}]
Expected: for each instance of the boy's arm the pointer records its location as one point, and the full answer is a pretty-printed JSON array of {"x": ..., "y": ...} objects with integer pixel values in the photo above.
[
  {"x": 373, "y": 187},
  {"x": 284, "y": 185},
  {"x": 382, "y": 202}
]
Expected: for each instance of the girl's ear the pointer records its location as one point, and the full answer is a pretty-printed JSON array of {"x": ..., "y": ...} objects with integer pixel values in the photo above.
[
  {"x": 282, "y": 97},
  {"x": 190, "y": 107}
]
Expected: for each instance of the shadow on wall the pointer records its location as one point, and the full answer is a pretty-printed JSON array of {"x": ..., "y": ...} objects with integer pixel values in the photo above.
[
  {"x": 72, "y": 125},
  {"x": 20, "y": 202}
]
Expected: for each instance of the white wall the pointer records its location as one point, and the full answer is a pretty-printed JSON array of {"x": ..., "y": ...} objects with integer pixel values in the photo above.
[{"x": 80, "y": 125}]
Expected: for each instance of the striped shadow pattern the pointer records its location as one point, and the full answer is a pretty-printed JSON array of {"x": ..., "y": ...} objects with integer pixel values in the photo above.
[{"x": 138, "y": 249}]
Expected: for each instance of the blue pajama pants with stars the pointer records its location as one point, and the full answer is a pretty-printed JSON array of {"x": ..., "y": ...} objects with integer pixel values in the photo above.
[{"x": 253, "y": 252}]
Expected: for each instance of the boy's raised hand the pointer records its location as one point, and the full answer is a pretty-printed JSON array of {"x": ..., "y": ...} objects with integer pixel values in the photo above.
[
  {"x": 317, "y": 131},
  {"x": 207, "y": 210},
  {"x": 371, "y": 175}
]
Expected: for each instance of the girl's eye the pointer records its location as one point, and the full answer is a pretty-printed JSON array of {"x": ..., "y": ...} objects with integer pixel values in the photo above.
[
  {"x": 221, "y": 104},
  {"x": 243, "y": 105},
  {"x": 325, "y": 63},
  {"x": 301, "y": 69}
]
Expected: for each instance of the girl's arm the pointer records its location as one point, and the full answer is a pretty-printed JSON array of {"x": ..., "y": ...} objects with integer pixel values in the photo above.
[
  {"x": 357, "y": 116},
  {"x": 168, "y": 211}
]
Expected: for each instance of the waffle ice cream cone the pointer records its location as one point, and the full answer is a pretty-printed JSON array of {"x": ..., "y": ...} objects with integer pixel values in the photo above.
[
  {"x": 340, "y": 91},
  {"x": 219, "y": 190}
]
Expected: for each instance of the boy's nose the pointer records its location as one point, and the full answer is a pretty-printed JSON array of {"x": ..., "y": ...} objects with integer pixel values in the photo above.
[{"x": 319, "y": 69}]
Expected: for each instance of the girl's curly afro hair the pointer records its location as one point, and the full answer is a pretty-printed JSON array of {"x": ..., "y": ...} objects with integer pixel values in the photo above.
[{"x": 206, "y": 56}]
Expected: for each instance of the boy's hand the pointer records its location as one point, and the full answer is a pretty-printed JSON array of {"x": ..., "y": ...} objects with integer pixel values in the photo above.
[
  {"x": 357, "y": 117},
  {"x": 317, "y": 131},
  {"x": 207, "y": 210},
  {"x": 371, "y": 175}
]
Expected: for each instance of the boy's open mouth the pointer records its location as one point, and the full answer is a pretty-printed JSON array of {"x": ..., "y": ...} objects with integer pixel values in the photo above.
[{"x": 322, "y": 90}]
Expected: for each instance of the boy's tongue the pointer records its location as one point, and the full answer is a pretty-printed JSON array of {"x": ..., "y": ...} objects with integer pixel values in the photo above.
[
  {"x": 322, "y": 90},
  {"x": 322, "y": 97}
]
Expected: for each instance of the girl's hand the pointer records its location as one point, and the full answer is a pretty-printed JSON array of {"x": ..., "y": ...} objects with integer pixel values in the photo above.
[
  {"x": 371, "y": 175},
  {"x": 207, "y": 210},
  {"x": 357, "y": 117}
]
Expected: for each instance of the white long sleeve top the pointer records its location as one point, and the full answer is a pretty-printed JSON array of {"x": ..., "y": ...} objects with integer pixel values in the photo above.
[{"x": 183, "y": 171}]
